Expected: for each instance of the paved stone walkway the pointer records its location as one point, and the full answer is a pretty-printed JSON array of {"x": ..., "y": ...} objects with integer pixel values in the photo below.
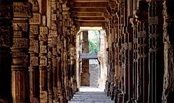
[{"x": 90, "y": 95}]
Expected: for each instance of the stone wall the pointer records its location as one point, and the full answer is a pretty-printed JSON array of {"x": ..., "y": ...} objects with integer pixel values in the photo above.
[{"x": 94, "y": 71}]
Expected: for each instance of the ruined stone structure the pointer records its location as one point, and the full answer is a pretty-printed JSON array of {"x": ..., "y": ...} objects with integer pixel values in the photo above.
[{"x": 38, "y": 55}]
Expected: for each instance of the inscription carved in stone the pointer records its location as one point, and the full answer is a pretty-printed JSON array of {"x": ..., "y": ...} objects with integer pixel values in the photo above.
[{"x": 22, "y": 9}]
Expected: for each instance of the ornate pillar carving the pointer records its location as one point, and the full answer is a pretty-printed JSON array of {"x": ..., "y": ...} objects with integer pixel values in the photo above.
[
  {"x": 155, "y": 55},
  {"x": 35, "y": 21},
  {"x": 20, "y": 57},
  {"x": 52, "y": 51},
  {"x": 54, "y": 37},
  {"x": 141, "y": 52},
  {"x": 65, "y": 40},
  {"x": 107, "y": 84},
  {"x": 60, "y": 52},
  {"x": 122, "y": 52},
  {"x": 72, "y": 60},
  {"x": 111, "y": 54},
  {"x": 43, "y": 60},
  {"x": 6, "y": 35},
  {"x": 135, "y": 58}
]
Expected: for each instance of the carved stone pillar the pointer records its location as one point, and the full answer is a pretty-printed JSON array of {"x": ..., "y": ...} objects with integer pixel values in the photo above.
[
  {"x": 65, "y": 62},
  {"x": 122, "y": 53},
  {"x": 111, "y": 54},
  {"x": 49, "y": 76},
  {"x": 70, "y": 58},
  {"x": 52, "y": 50},
  {"x": 43, "y": 45},
  {"x": 34, "y": 53},
  {"x": 108, "y": 81},
  {"x": 60, "y": 70},
  {"x": 130, "y": 49},
  {"x": 6, "y": 35},
  {"x": 73, "y": 69},
  {"x": 129, "y": 62},
  {"x": 85, "y": 76},
  {"x": 72, "y": 53},
  {"x": 141, "y": 40},
  {"x": 155, "y": 55},
  {"x": 135, "y": 59},
  {"x": 142, "y": 62},
  {"x": 126, "y": 50},
  {"x": 60, "y": 53},
  {"x": 20, "y": 57}
]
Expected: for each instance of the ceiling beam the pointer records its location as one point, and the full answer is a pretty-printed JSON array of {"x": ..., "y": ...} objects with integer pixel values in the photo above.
[
  {"x": 91, "y": 21},
  {"x": 89, "y": 4},
  {"x": 91, "y": 24},
  {"x": 88, "y": 0},
  {"x": 89, "y": 10},
  {"x": 90, "y": 18},
  {"x": 81, "y": 14}
]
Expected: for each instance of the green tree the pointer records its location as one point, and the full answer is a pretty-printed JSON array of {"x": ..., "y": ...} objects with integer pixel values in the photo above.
[{"x": 93, "y": 42}]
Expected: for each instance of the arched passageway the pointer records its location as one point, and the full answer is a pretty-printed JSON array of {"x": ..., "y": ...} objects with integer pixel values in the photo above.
[{"x": 38, "y": 55}]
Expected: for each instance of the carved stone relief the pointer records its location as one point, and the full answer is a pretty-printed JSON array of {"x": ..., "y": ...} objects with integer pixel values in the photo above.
[
  {"x": 20, "y": 43},
  {"x": 34, "y": 29},
  {"x": 36, "y": 19},
  {"x": 20, "y": 26},
  {"x": 34, "y": 61},
  {"x": 34, "y": 45},
  {"x": 22, "y": 9},
  {"x": 43, "y": 61}
]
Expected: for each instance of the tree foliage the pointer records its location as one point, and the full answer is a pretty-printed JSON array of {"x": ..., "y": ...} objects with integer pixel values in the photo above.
[{"x": 93, "y": 42}]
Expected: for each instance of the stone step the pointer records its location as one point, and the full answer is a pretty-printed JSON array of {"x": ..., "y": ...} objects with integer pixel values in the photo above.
[{"x": 90, "y": 97}]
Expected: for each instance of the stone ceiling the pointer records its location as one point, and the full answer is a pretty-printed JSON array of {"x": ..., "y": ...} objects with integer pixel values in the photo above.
[{"x": 91, "y": 13}]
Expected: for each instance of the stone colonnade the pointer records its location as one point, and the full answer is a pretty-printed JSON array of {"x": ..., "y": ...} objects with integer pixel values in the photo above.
[
  {"x": 140, "y": 51},
  {"x": 37, "y": 42},
  {"x": 37, "y": 47}
]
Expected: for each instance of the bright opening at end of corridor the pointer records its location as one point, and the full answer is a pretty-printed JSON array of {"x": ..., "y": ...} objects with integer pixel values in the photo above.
[{"x": 91, "y": 67}]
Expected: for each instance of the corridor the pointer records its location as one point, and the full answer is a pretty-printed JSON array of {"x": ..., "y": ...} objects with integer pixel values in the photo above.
[
  {"x": 50, "y": 48},
  {"x": 90, "y": 95}
]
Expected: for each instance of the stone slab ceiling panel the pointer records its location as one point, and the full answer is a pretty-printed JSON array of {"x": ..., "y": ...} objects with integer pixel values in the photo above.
[{"x": 90, "y": 12}]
